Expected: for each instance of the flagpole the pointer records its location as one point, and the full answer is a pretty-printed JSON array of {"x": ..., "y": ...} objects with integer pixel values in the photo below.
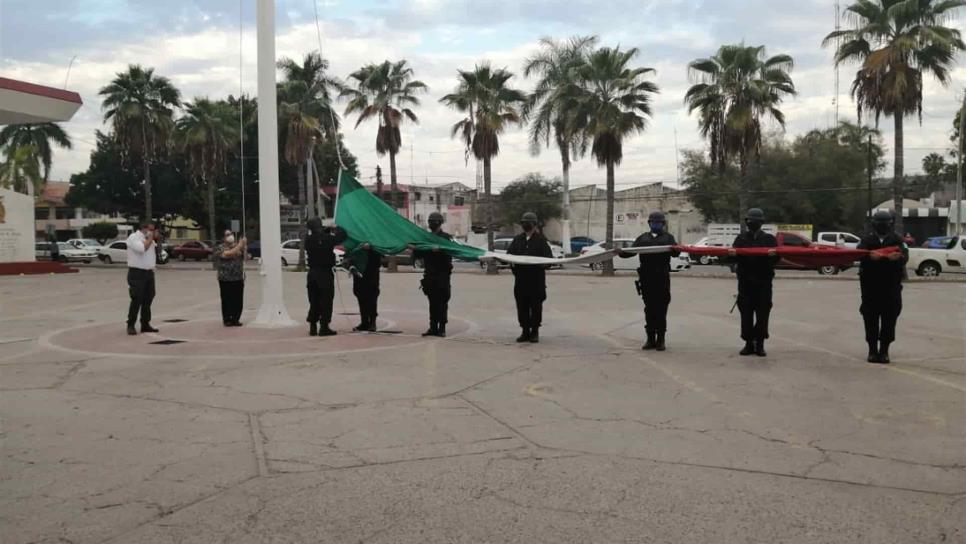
[{"x": 272, "y": 312}]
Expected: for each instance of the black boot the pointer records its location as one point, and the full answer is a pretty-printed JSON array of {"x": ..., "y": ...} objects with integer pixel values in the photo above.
[
  {"x": 760, "y": 348},
  {"x": 371, "y": 325},
  {"x": 324, "y": 330},
  {"x": 873, "y": 353},
  {"x": 749, "y": 348},
  {"x": 146, "y": 327},
  {"x": 659, "y": 345},
  {"x": 884, "y": 353},
  {"x": 313, "y": 329},
  {"x": 651, "y": 342},
  {"x": 441, "y": 330},
  {"x": 361, "y": 327},
  {"x": 524, "y": 335},
  {"x": 131, "y": 330},
  {"x": 535, "y": 335},
  {"x": 431, "y": 331}
]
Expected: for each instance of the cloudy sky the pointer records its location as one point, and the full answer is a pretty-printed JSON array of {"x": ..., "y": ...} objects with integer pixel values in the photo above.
[{"x": 196, "y": 44}]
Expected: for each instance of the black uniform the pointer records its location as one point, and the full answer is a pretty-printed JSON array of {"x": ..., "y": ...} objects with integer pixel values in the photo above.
[
  {"x": 530, "y": 281},
  {"x": 366, "y": 288},
  {"x": 655, "y": 277},
  {"x": 755, "y": 275},
  {"x": 438, "y": 267},
  {"x": 320, "y": 281},
  {"x": 881, "y": 285}
]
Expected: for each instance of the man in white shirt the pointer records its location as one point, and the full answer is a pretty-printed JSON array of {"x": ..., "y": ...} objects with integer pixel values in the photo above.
[{"x": 141, "y": 261}]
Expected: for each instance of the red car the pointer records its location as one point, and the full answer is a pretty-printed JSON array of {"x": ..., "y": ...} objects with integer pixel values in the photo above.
[
  {"x": 198, "y": 251},
  {"x": 790, "y": 239}
]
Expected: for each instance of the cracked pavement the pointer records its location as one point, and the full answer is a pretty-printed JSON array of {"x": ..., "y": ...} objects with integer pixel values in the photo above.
[{"x": 581, "y": 438}]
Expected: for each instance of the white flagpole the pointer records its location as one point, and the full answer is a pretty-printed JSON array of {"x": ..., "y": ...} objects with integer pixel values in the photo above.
[{"x": 272, "y": 312}]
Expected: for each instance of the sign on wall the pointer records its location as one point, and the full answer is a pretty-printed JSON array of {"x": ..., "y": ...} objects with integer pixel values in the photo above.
[{"x": 16, "y": 227}]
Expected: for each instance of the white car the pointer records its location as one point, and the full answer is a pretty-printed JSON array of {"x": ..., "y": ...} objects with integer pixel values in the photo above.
[
  {"x": 712, "y": 241},
  {"x": 86, "y": 243},
  {"x": 66, "y": 253},
  {"x": 837, "y": 239},
  {"x": 500, "y": 245},
  {"x": 931, "y": 262},
  {"x": 681, "y": 262},
  {"x": 290, "y": 253},
  {"x": 116, "y": 252}
]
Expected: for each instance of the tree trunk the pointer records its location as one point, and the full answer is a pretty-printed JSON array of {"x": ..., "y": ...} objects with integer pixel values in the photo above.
[
  {"x": 898, "y": 183},
  {"x": 211, "y": 216},
  {"x": 491, "y": 267},
  {"x": 148, "y": 217},
  {"x": 565, "y": 205},
  {"x": 393, "y": 264},
  {"x": 609, "y": 229},
  {"x": 301, "y": 181},
  {"x": 742, "y": 192}
]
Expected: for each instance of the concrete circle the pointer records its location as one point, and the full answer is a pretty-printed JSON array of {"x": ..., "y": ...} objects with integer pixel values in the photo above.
[{"x": 210, "y": 338}]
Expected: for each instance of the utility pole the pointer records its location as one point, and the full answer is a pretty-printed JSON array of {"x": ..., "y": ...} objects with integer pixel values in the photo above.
[
  {"x": 959, "y": 169},
  {"x": 272, "y": 312}
]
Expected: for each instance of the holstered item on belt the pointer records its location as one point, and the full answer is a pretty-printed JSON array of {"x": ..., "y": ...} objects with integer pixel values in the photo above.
[
  {"x": 426, "y": 285},
  {"x": 640, "y": 290}
]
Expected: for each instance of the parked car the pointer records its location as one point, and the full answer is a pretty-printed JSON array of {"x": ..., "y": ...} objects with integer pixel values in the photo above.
[
  {"x": 790, "y": 239},
  {"x": 837, "y": 239},
  {"x": 712, "y": 241},
  {"x": 290, "y": 253},
  {"x": 85, "y": 243},
  {"x": 403, "y": 259},
  {"x": 681, "y": 262},
  {"x": 500, "y": 245},
  {"x": 198, "y": 251},
  {"x": 932, "y": 262},
  {"x": 939, "y": 242},
  {"x": 117, "y": 252},
  {"x": 66, "y": 253},
  {"x": 578, "y": 243}
]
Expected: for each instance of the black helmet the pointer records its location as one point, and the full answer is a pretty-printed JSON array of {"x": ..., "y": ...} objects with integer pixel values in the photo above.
[
  {"x": 529, "y": 217},
  {"x": 656, "y": 217},
  {"x": 755, "y": 214},
  {"x": 435, "y": 216},
  {"x": 882, "y": 216},
  {"x": 314, "y": 224}
]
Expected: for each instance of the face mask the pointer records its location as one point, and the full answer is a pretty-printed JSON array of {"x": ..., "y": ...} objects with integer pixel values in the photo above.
[
  {"x": 230, "y": 238},
  {"x": 753, "y": 225},
  {"x": 434, "y": 225},
  {"x": 656, "y": 228},
  {"x": 527, "y": 227},
  {"x": 882, "y": 228}
]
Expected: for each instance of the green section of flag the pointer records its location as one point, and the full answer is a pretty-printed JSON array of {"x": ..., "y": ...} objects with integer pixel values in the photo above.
[{"x": 366, "y": 218}]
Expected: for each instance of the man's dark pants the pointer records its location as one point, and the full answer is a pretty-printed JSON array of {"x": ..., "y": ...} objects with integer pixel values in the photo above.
[{"x": 140, "y": 284}]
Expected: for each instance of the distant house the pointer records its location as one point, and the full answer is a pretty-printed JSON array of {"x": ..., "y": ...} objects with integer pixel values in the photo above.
[{"x": 51, "y": 211}]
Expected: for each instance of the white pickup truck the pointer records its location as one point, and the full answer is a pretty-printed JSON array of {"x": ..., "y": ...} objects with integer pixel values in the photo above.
[{"x": 931, "y": 262}]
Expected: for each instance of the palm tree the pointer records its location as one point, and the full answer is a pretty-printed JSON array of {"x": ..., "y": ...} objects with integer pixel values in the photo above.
[
  {"x": 207, "y": 134},
  {"x": 386, "y": 91},
  {"x": 734, "y": 91},
  {"x": 555, "y": 65},
  {"x": 490, "y": 105},
  {"x": 305, "y": 111},
  {"x": 21, "y": 169},
  {"x": 608, "y": 102},
  {"x": 39, "y": 135},
  {"x": 141, "y": 107},
  {"x": 306, "y": 114},
  {"x": 895, "y": 42}
]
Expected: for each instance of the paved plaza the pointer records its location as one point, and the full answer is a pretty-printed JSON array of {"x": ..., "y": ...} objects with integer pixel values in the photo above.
[{"x": 245, "y": 435}]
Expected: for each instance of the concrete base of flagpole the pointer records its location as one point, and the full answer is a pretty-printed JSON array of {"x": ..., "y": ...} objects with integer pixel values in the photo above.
[{"x": 272, "y": 314}]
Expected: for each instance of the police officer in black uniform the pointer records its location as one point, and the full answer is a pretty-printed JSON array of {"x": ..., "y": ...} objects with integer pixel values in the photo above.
[
  {"x": 320, "y": 280},
  {"x": 365, "y": 285},
  {"x": 755, "y": 275},
  {"x": 529, "y": 281},
  {"x": 654, "y": 280},
  {"x": 437, "y": 269},
  {"x": 880, "y": 279}
]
